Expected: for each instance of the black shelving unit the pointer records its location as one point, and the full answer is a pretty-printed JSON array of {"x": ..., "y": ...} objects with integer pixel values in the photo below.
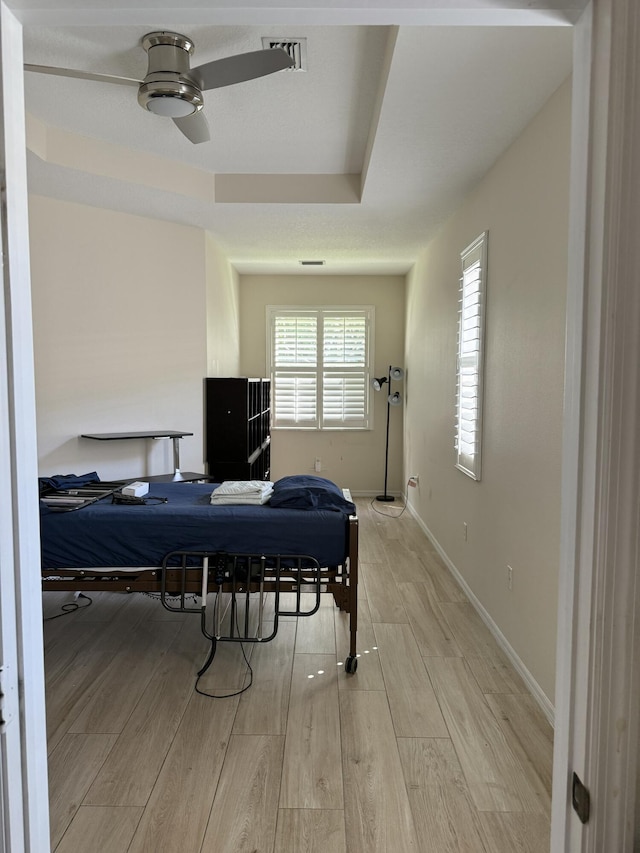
[{"x": 238, "y": 427}]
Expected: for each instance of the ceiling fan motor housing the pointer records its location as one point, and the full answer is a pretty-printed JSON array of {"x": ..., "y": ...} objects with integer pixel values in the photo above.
[{"x": 167, "y": 89}]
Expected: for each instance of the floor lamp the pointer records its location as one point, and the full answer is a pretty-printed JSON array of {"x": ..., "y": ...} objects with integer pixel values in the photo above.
[{"x": 393, "y": 399}]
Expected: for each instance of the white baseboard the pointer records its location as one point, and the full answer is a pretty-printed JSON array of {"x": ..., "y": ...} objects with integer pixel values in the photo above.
[{"x": 536, "y": 691}]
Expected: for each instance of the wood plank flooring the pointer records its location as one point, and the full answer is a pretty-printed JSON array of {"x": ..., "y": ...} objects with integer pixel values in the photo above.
[{"x": 433, "y": 746}]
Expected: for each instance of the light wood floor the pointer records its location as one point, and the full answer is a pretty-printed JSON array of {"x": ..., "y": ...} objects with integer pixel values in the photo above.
[{"x": 434, "y": 745}]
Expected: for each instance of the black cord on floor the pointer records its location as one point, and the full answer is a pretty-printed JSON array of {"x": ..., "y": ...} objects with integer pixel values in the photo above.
[
  {"x": 70, "y": 607},
  {"x": 210, "y": 657},
  {"x": 208, "y": 663},
  {"x": 388, "y": 514}
]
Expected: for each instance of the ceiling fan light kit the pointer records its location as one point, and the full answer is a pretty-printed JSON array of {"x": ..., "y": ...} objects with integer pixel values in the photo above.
[
  {"x": 175, "y": 99},
  {"x": 173, "y": 89}
]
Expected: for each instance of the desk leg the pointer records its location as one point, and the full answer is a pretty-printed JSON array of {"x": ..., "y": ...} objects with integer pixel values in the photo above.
[{"x": 176, "y": 459}]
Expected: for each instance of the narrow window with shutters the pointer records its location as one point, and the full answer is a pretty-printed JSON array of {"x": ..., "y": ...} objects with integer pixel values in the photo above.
[
  {"x": 318, "y": 359},
  {"x": 468, "y": 430}
]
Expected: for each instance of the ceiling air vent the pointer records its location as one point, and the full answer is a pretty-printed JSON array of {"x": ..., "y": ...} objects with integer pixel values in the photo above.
[{"x": 296, "y": 48}]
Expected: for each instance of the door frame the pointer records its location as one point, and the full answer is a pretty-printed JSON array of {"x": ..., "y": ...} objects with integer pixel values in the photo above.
[
  {"x": 23, "y": 770},
  {"x": 597, "y": 691}
]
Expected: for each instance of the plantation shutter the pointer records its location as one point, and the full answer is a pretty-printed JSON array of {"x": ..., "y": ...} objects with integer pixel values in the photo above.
[
  {"x": 295, "y": 374},
  {"x": 319, "y": 363},
  {"x": 468, "y": 437},
  {"x": 344, "y": 380}
]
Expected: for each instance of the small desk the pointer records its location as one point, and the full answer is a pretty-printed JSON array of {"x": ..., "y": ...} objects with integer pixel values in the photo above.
[{"x": 174, "y": 435}]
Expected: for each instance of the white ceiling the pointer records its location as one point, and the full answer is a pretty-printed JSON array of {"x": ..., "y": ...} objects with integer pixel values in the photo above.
[{"x": 418, "y": 113}]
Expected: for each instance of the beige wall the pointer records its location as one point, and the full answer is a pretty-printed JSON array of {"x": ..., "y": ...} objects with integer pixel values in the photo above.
[
  {"x": 223, "y": 320},
  {"x": 120, "y": 309},
  {"x": 354, "y": 459},
  {"x": 513, "y": 514}
]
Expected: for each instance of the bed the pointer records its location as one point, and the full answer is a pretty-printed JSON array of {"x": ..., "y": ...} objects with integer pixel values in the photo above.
[{"x": 224, "y": 562}]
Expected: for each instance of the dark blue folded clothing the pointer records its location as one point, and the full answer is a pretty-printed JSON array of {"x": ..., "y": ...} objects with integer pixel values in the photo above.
[
  {"x": 305, "y": 491},
  {"x": 68, "y": 481}
]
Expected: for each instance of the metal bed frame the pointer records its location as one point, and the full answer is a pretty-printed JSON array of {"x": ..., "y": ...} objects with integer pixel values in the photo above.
[{"x": 245, "y": 578}]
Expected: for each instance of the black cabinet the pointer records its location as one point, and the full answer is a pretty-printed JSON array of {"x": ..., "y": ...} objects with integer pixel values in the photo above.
[{"x": 238, "y": 424}]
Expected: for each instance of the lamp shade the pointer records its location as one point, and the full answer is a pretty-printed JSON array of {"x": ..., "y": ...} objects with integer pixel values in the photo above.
[
  {"x": 395, "y": 399},
  {"x": 378, "y": 383},
  {"x": 396, "y": 373}
]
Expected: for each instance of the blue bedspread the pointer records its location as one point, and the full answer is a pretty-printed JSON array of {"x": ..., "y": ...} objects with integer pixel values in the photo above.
[{"x": 112, "y": 535}]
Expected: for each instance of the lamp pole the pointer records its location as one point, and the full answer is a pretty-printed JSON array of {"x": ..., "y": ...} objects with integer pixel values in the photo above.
[{"x": 385, "y": 497}]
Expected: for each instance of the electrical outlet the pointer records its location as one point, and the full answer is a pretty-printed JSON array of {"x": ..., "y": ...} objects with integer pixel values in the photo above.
[
  {"x": 414, "y": 480},
  {"x": 317, "y": 465},
  {"x": 509, "y": 578},
  {"x": 464, "y": 525}
]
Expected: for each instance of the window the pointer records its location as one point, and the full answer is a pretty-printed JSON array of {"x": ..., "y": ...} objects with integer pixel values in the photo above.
[
  {"x": 471, "y": 305},
  {"x": 318, "y": 359}
]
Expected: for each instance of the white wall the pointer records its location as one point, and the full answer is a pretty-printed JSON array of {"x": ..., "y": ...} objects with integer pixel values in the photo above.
[
  {"x": 223, "y": 313},
  {"x": 353, "y": 459},
  {"x": 513, "y": 514},
  {"x": 120, "y": 311}
]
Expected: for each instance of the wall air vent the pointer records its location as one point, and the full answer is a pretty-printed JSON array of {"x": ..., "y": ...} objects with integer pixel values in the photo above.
[{"x": 295, "y": 47}]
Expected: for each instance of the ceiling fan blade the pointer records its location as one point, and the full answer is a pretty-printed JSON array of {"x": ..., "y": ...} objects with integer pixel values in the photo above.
[
  {"x": 194, "y": 127},
  {"x": 82, "y": 75},
  {"x": 237, "y": 69}
]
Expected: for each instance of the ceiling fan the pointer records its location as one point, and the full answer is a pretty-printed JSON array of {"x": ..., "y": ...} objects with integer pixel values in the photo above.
[{"x": 171, "y": 88}]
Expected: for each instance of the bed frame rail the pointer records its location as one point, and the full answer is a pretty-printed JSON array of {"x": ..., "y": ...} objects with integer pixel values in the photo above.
[{"x": 238, "y": 583}]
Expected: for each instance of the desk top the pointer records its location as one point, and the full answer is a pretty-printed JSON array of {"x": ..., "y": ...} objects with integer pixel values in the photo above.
[{"x": 113, "y": 436}]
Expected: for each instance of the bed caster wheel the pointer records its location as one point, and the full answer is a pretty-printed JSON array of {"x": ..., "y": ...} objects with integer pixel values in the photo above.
[{"x": 351, "y": 664}]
